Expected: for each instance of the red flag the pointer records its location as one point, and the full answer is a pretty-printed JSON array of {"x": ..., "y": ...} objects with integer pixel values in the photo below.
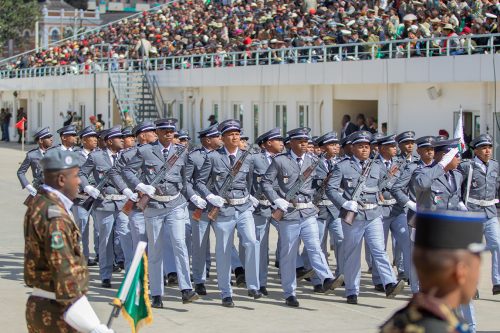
[{"x": 20, "y": 124}]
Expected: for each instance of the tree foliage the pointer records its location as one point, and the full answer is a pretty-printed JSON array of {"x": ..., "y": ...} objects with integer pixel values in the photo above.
[{"x": 16, "y": 16}]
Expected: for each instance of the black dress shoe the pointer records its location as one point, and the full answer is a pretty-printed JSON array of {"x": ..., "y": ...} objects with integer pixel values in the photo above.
[
  {"x": 96, "y": 259},
  {"x": 106, "y": 283},
  {"x": 156, "y": 302},
  {"x": 116, "y": 269},
  {"x": 264, "y": 291},
  {"x": 496, "y": 289},
  {"x": 379, "y": 287},
  {"x": 392, "y": 289},
  {"x": 292, "y": 301},
  {"x": 352, "y": 299},
  {"x": 189, "y": 296},
  {"x": 329, "y": 285},
  {"x": 319, "y": 289},
  {"x": 239, "y": 273},
  {"x": 256, "y": 294},
  {"x": 301, "y": 273},
  {"x": 228, "y": 302},
  {"x": 476, "y": 296},
  {"x": 91, "y": 263},
  {"x": 277, "y": 264},
  {"x": 172, "y": 279},
  {"x": 208, "y": 274},
  {"x": 121, "y": 264},
  {"x": 200, "y": 289}
]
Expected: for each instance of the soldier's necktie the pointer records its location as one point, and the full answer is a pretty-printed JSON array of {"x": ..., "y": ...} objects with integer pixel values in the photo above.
[
  {"x": 299, "y": 161},
  {"x": 387, "y": 165},
  {"x": 165, "y": 153},
  {"x": 232, "y": 159},
  {"x": 114, "y": 158},
  {"x": 330, "y": 165}
]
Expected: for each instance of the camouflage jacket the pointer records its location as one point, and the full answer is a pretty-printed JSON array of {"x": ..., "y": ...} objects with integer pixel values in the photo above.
[
  {"x": 424, "y": 314},
  {"x": 53, "y": 258}
]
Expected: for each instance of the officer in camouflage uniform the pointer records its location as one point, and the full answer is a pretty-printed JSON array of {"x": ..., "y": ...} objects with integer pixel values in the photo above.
[
  {"x": 54, "y": 265},
  {"x": 32, "y": 159},
  {"x": 444, "y": 241}
]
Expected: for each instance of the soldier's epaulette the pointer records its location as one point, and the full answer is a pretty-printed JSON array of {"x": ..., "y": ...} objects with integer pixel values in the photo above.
[
  {"x": 33, "y": 150},
  {"x": 53, "y": 211}
]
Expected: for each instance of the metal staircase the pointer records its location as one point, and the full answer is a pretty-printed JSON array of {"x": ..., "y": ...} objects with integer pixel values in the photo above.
[{"x": 137, "y": 92}]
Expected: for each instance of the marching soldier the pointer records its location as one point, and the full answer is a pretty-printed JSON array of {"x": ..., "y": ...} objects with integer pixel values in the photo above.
[
  {"x": 367, "y": 222},
  {"x": 447, "y": 259},
  {"x": 145, "y": 134},
  {"x": 438, "y": 186},
  {"x": 166, "y": 210},
  {"x": 68, "y": 138},
  {"x": 109, "y": 203},
  {"x": 88, "y": 137},
  {"x": 32, "y": 160},
  {"x": 272, "y": 144},
  {"x": 236, "y": 208},
  {"x": 128, "y": 138},
  {"x": 404, "y": 190},
  {"x": 294, "y": 199},
  {"x": 54, "y": 265},
  {"x": 393, "y": 217},
  {"x": 328, "y": 215},
  {"x": 480, "y": 190}
]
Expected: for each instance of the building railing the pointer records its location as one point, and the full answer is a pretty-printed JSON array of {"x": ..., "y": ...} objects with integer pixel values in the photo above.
[{"x": 407, "y": 48}]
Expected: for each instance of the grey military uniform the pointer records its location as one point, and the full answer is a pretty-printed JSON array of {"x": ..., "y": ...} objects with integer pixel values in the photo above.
[
  {"x": 32, "y": 160},
  {"x": 326, "y": 209},
  {"x": 195, "y": 161},
  {"x": 434, "y": 191},
  {"x": 260, "y": 165},
  {"x": 285, "y": 171},
  {"x": 403, "y": 189}
]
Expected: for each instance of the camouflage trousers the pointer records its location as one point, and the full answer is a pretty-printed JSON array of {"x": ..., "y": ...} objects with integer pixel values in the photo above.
[{"x": 46, "y": 316}]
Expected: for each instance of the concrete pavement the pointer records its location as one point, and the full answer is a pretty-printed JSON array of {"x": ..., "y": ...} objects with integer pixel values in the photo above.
[{"x": 269, "y": 314}]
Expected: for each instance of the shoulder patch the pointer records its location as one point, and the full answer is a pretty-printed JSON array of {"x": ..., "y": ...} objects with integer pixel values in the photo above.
[
  {"x": 53, "y": 211},
  {"x": 56, "y": 241}
]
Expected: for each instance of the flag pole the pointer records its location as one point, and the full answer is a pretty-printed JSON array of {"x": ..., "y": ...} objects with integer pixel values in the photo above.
[{"x": 122, "y": 296}]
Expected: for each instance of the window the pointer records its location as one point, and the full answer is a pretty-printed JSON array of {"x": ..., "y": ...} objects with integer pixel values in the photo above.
[
  {"x": 170, "y": 110},
  {"x": 255, "y": 120},
  {"x": 181, "y": 115},
  {"x": 215, "y": 111},
  {"x": 280, "y": 117},
  {"x": 238, "y": 112},
  {"x": 303, "y": 115},
  {"x": 39, "y": 113},
  {"x": 54, "y": 35}
]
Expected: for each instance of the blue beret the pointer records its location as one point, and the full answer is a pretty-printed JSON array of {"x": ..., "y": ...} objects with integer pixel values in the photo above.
[
  {"x": 425, "y": 141},
  {"x": 327, "y": 138},
  {"x": 482, "y": 140},
  {"x": 387, "y": 140},
  {"x": 58, "y": 159},
  {"x": 42, "y": 133},
  {"x": 361, "y": 137},
  {"x": 299, "y": 133},
  {"x": 87, "y": 131},
  {"x": 143, "y": 127},
  {"x": 211, "y": 131},
  {"x": 67, "y": 130},
  {"x": 115, "y": 132},
  {"x": 229, "y": 125},
  {"x": 168, "y": 123},
  {"x": 405, "y": 136}
]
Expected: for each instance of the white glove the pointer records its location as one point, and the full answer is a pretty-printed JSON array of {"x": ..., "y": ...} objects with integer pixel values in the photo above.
[
  {"x": 102, "y": 329},
  {"x": 412, "y": 205},
  {"x": 282, "y": 204},
  {"x": 148, "y": 189},
  {"x": 131, "y": 195},
  {"x": 32, "y": 191},
  {"x": 413, "y": 232},
  {"x": 351, "y": 205},
  {"x": 461, "y": 206},
  {"x": 254, "y": 201},
  {"x": 448, "y": 157},
  {"x": 215, "y": 200},
  {"x": 198, "y": 201},
  {"x": 92, "y": 191},
  {"x": 82, "y": 317}
]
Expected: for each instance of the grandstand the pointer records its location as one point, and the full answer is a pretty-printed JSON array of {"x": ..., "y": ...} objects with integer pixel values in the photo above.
[{"x": 286, "y": 63}]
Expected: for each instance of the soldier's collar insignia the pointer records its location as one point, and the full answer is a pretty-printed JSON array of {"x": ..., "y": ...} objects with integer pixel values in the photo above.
[{"x": 57, "y": 241}]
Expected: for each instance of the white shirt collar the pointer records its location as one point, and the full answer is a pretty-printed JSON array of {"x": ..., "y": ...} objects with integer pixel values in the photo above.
[
  {"x": 480, "y": 163},
  {"x": 64, "y": 199},
  {"x": 163, "y": 147},
  {"x": 63, "y": 147},
  {"x": 110, "y": 154},
  {"x": 295, "y": 156},
  {"x": 228, "y": 153}
]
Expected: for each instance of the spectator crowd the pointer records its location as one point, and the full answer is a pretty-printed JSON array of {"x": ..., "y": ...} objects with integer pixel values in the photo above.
[{"x": 217, "y": 27}]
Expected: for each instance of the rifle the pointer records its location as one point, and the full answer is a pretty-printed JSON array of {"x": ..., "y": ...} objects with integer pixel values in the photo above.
[
  {"x": 321, "y": 191},
  {"x": 389, "y": 176},
  {"x": 162, "y": 173},
  {"x": 348, "y": 216},
  {"x": 278, "y": 214},
  {"x": 90, "y": 202},
  {"x": 228, "y": 182}
]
